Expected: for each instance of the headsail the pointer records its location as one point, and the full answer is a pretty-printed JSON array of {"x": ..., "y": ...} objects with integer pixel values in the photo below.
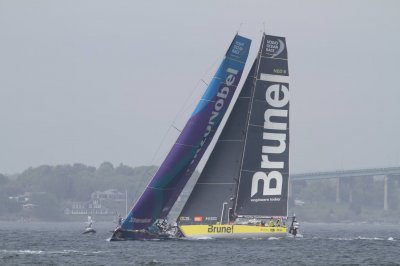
[
  {"x": 168, "y": 182},
  {"x": 263, "y": 183}
]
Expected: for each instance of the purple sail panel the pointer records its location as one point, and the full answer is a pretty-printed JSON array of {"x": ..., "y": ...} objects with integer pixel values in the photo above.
[{"x": 173, "y": 174}]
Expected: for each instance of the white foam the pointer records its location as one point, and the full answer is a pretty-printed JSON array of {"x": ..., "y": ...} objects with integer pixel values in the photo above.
[
  {"x": 341, "y": 238},
  {"x": 193, "y": 238},
  {"x": 24, "y": 251},
  {"x": 202, "y": 238},
  {"x": 370, "y": 238},
  {"x": 39, "y": 252}
]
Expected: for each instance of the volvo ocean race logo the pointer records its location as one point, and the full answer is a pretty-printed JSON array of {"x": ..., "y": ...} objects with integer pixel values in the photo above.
[
  {"x": 277, "y": 96},
  {"x": 274, "y": 48}
]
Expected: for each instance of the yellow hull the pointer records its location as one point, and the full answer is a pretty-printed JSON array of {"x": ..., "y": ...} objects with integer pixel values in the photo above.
[{"x": 231, "y": 231}]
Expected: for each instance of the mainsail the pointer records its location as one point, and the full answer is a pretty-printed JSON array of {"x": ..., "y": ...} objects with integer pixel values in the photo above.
[
  {"x": 264, "y": 173},
  {"x": 248, "y": 169},
  {"x": 218, "y": 181},
  {"x": 173, "y": 174}
]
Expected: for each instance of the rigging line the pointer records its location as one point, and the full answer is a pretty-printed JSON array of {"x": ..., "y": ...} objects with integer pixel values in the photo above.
[
  {"x": 176, "y": 128},
  {"x": 240, "y": 26},
  {"x": 204, "y": 82},
  {"x": 159, "y": 146},
  {"x": 219, "y": 59},
  {"x": 182, "y": 109},
  {"x": 185, "y": 104}
]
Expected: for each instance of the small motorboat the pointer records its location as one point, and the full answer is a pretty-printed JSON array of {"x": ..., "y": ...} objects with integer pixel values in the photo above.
[{"x": 89, "y": 228}]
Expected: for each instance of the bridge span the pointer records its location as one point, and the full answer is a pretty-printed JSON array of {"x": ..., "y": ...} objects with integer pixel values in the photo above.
[{"x": 385, "y": 173}]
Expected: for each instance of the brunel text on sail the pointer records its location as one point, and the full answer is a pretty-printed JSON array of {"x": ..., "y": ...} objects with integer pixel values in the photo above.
[{"x": 277, "y": 96}]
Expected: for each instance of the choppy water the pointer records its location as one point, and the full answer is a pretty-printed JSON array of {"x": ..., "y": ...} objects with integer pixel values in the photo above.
[{"x": 322, "y": 244}]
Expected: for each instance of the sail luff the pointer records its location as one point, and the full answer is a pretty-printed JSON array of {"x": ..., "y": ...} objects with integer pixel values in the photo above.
[{"x": 166, "y": 185}]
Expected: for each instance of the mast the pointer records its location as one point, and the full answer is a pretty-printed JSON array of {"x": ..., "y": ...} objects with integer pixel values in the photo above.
[
  {"x": 173, "y": 174},
  {"x": 256, "y": 69},
  {"x": 126, "y": 201}
]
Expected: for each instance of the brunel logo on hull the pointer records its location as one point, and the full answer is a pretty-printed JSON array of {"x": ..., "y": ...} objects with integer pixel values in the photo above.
[
  {"x": 277, "y": 96},
  {"x": 221, "y": 229}
]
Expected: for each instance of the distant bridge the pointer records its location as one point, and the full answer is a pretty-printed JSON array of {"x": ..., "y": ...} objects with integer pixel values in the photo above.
[
  {"x": 347, "y": 173},
  {"x": 385, "y": 173}
]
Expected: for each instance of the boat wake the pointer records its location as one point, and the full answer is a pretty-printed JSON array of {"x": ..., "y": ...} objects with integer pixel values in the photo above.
[
  {"x": 23, "y": 251},
  {"x": 274, "y": 238},
  {"x": 361, "y": 238},
  {"x": 42, "y": 252},
  {"x": 292, "y": 236},
  {"x": 199, "y": 238},
  {"x": 341, "y": 238},
  {"x": 370, "y": 238}
]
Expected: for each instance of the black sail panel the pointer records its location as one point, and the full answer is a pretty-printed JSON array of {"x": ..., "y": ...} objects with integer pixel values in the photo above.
[
  {"x": 217, "y": 185},
  {"x": 264, "y": 173}
]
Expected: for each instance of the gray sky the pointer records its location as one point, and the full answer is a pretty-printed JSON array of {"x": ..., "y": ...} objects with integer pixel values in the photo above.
[{"x": 94, "y": 81}]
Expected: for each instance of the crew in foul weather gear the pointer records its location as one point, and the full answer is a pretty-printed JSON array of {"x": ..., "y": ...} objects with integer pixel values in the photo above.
[
  {"x": 271, "y": 222},
  {"x": 119, "y": 220},
  {"x": 278, "y": 222},
  {"x": 294, "y": 226}
]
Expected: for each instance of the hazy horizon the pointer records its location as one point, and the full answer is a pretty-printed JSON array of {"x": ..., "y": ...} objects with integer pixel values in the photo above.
[{"x": 95, "y": 81}]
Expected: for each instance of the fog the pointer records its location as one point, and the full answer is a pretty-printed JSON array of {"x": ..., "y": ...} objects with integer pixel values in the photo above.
[{"x": 94, "y": 81}]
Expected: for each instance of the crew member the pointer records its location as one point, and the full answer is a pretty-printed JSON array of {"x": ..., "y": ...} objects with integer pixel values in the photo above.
[
  {"x": 271, "y": 222},
  {"x": 278, "y": 222}
]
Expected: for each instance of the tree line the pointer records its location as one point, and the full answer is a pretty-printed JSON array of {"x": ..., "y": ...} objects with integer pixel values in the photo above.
[{"x": 51, "y": 186}]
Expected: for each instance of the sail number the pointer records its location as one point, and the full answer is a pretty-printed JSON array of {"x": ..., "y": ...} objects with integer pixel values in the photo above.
[{"x": 279, "y": 71}]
